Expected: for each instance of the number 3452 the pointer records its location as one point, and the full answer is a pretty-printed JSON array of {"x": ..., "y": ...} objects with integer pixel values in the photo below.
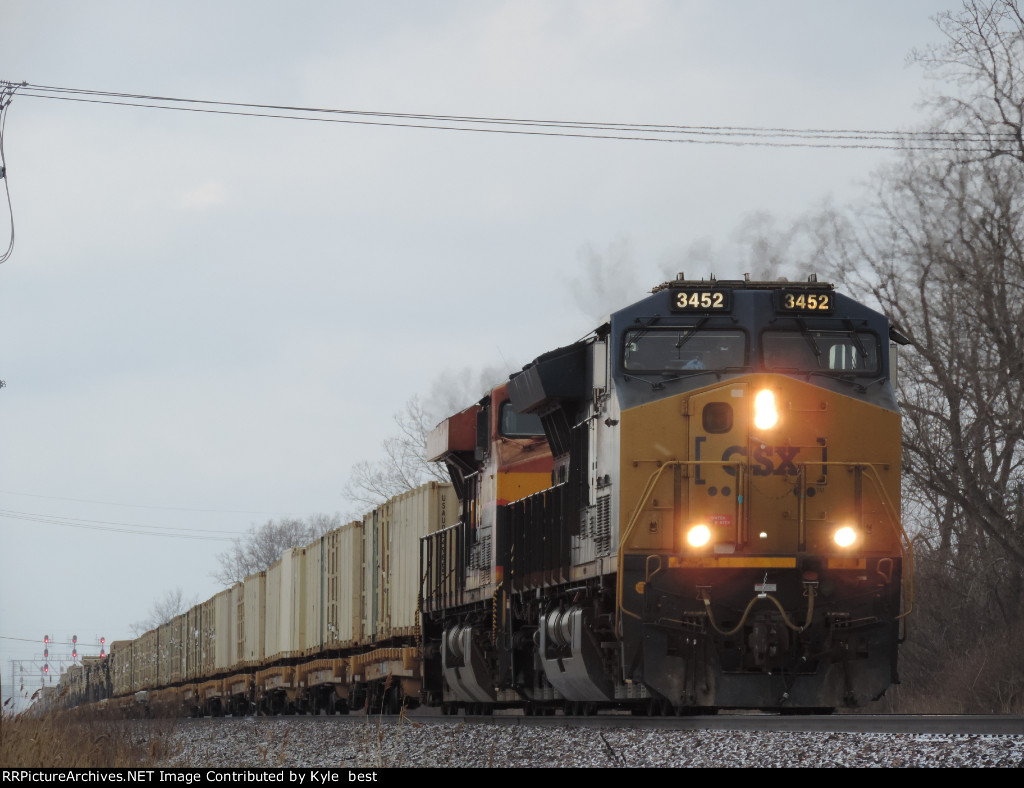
[
  {"x": 810, "y": 301},
  {"x": 704, "y": 300}
]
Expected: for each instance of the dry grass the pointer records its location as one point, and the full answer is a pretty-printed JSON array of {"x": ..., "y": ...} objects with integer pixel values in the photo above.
[
  {"x": 374, "y": 747},
  {"x": 60, "y": 740},
  {"x": 986, "y": 677}
]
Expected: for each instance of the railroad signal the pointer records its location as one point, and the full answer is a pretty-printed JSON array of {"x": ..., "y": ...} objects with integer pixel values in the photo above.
[
  {"x": 74, "y": 653},
  {"x": 46, "y": 639},
  {"x": 46, "y": 653},
  {"x": 46, "y": 668},
  {"x": 74, "y": 638}
]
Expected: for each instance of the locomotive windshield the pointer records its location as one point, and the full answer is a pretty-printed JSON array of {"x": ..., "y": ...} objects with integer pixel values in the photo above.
[
  {"x": 821, "y": 351},
  {"x": 682, "y": 349}
]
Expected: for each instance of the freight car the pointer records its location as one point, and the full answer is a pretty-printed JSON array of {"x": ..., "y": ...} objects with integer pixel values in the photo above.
[{"x": 695, "y": 507}]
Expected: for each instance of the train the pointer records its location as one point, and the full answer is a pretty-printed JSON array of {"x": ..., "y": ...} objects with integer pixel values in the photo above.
[{"x": 694, "y": 508}]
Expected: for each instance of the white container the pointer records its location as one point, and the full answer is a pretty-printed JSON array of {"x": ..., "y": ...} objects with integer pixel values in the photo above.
[
  {"x": 286, "y": 614},
  {"x": 293, "y": 602},
  {"x": 272, "y": 631},
  {"x": 315, "y": 581},
  {"x": 145, "y": 660},
  {"x": 252, "y": 619},
  {"x": 343, "y": 586},
  {"x": 236, "y": 635},
  {"x": 222, "y": 630},
  {"x": 392, "y": 556},
  {"x": 171, "y": 651},
  {"x": 370, "y": 549},
  {"x": 121, "y": 665}
]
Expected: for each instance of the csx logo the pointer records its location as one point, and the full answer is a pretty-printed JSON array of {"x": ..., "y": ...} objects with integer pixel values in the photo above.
[
  {"x": 773, "y": 460},
  {"x": 766, "y": 460}
]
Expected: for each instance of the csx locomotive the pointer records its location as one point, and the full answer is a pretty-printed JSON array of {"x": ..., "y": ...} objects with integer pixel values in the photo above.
[
  {"x": 697, "y": 507},
  {"x": 694, "y": 508}
]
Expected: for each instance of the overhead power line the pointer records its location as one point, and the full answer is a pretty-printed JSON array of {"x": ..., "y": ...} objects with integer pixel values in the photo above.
[
  {"x": 776, "y": 137},
  {"x": 200, "y": 534},
  {"x": 147, "y": 506},
  {"x": 54, "y": 642},
  {"x": 7, "y": 91}
]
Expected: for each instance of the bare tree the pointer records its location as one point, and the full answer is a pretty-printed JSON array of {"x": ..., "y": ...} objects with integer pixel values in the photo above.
[
  {"x": 404, "y": 466},
  {"x": 982, "y": 57},
  {"x": 172, "y": 603},
  {"x": 262, "y": 546},
  {"x": 942, "y": 255},
  {"x": 939, "y": 248},
  {"x": 941, "y": 252}
]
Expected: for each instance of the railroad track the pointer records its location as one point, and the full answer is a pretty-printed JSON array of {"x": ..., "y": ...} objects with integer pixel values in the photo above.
[
  {"x": 948, "y": 724},
  {"x": 510, "y": 741}
]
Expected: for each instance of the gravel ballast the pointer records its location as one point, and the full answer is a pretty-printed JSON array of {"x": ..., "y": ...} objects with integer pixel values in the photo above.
[{"x": 369, "y": 743}]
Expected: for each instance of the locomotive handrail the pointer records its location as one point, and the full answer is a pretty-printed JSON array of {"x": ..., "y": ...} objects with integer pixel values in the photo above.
[
  {"x": 906, "y": 546},
  {"x": 645, "y": 495}
]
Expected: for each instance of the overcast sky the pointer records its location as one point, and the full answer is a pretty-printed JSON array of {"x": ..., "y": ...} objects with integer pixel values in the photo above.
[{"x": 207, "y": 320}]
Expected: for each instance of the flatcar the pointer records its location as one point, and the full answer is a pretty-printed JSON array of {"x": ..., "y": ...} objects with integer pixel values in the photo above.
[{"x": 694, "y": 508}]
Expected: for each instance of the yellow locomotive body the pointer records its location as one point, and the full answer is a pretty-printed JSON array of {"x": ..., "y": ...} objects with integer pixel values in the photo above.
[{"x": 732, "y": 576}]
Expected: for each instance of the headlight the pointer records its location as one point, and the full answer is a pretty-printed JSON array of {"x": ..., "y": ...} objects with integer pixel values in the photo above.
[
  {"x": 766, "y": 415},
  {"x": 698, "y": 536},
  {"x": 845, "y": 536}
]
